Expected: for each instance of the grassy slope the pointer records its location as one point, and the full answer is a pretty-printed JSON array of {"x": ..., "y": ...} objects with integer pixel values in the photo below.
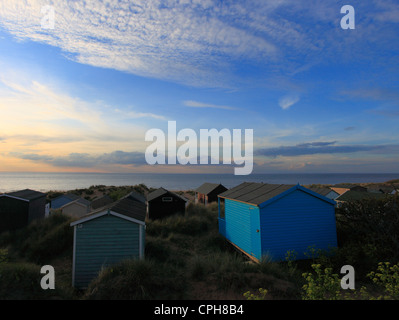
[{"x": 186, "y": 258}]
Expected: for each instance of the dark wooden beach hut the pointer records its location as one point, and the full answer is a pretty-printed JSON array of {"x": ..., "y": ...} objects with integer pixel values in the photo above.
[
  {"x": 271, "y": 220},
  {"x": 208, "y": 192},
  {"x": 162, "y": 203},
  {"x": 19, "y": 208}
]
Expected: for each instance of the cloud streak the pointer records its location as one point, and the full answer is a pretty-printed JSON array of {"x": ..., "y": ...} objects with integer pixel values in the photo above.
[
  {"x": 312, "y": 148},
  {"x": 196, "y": 104},
  {"x": 85, "y": 160}
]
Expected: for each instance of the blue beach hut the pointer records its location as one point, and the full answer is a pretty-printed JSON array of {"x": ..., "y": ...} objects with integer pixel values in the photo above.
[{"x": 269, "y": 219}]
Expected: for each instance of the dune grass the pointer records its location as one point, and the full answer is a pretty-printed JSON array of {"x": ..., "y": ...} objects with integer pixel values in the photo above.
[{"x": 187, "y": 258}]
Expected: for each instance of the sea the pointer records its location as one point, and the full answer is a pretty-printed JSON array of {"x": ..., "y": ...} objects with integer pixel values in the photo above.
[{"x": 44, "y": 182}]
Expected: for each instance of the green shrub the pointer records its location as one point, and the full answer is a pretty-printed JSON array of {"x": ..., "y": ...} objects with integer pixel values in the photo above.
[
  {"x": 251, "y": 296},
  {"x": 387, "y": 276},
  {"x": 323, "y": 285},
  {"x": 3, "y": 256},
  {"x": 371, "y": 222}
]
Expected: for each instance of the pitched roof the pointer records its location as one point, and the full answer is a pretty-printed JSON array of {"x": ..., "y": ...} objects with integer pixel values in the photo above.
[
  {"x": 130, "y": 207},
  {"x": 322, "y": 191},
  {"x": 70, "y": 196},
  {"x": 101, "y": 202},
  {"x": 127, "y": 207},
  {"x": 254, "y": 192},
  {"x": 26, "y": 194},
  {"x": 339, "y": 190},
  {"x": 161, "y": 192},
  {"x": 79, "y": 200},
  {"x": 259, "y": 193},
  {"x": 208, "y": 187},
  {"x": 137, "y": 196}
]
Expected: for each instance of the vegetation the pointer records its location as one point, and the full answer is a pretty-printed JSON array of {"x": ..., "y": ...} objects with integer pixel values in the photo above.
[{"x": 187, "y": 258}]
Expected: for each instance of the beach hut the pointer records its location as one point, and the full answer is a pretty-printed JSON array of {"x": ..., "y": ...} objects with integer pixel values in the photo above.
[
  {"x": 107, "y": 236},
  {"x": 208, "y": 192},
  {"x": 19, "y": 208},
  {"x": 326, "y": 192},
  {"x": 101, "y": 202},
  {"x": 76, "y": 208},
  {"x": 269, "y": 219},
  {"x": 62, "y": 200},
  {"x": 162, "y": 203}
]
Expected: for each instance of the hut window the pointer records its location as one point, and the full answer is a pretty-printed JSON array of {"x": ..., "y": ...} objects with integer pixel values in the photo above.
[{"x": 167, "y": 199}]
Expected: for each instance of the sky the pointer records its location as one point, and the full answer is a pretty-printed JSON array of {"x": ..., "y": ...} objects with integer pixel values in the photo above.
[{"x": 81, "y": 95}]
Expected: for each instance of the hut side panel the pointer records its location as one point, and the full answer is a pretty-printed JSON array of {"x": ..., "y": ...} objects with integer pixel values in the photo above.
[
  {"x": 297, "y": 222},
  {"x": 241, "y": 223},
  {"x": 161, "y": 207},
  {"x": 14, "y": 213},
  {"x": 37, "y": 209},
  {"x": 101, "y": 242}
]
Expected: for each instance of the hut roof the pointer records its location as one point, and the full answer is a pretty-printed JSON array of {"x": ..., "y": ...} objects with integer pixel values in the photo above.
[
  {"x": 323, "y": 191},
  {"x": 26, "y": 194},
  {"x": 128, "y": 207},
  {"x": 208, "y": 187},
  {"x": 161, "y": 192},
  {"x": 258, "y": 193},
  {"x": 255, "y": 193}
]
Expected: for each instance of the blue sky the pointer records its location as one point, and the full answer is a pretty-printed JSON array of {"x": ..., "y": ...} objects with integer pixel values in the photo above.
[{"x": 81, "y": 96}]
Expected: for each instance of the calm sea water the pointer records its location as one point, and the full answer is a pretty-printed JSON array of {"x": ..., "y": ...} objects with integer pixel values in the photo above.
[{"x": 69, "y": 181}]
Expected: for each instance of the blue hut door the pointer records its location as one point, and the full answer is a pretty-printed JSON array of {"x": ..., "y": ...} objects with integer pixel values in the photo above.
[{"x": 255, "y": 232}]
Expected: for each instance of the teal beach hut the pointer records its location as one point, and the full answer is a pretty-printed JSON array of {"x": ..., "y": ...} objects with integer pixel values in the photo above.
[
  {"x": 270, "y": 220},
  {"x": 107, "y": 236}
]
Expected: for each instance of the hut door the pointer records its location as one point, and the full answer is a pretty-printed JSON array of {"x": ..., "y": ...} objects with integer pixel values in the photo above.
[{"x": 255, "y": 232}]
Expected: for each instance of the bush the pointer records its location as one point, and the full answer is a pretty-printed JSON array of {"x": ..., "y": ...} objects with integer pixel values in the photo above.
[
  {"x": 3, "y": 256},
  {"x": 251, "y": 296},
  {"x": 371, "y": 222},
  {"x": 324, "y": 285},
  {"x": 387, "y": 276}
]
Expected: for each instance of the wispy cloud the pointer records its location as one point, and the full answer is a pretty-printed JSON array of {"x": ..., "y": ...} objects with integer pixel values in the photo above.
[
  {"x": 196, "y": 104},
  {"x": 387, "y": 98},
  {"x": 85, "y": 160},
  {"x": 288, "y": 101},
  {"x": 196, "y": 42},
  {"x": 312, "y": 148},
  {"x": 136, "y": 115},
  {"x": 171, "y": 40}
]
